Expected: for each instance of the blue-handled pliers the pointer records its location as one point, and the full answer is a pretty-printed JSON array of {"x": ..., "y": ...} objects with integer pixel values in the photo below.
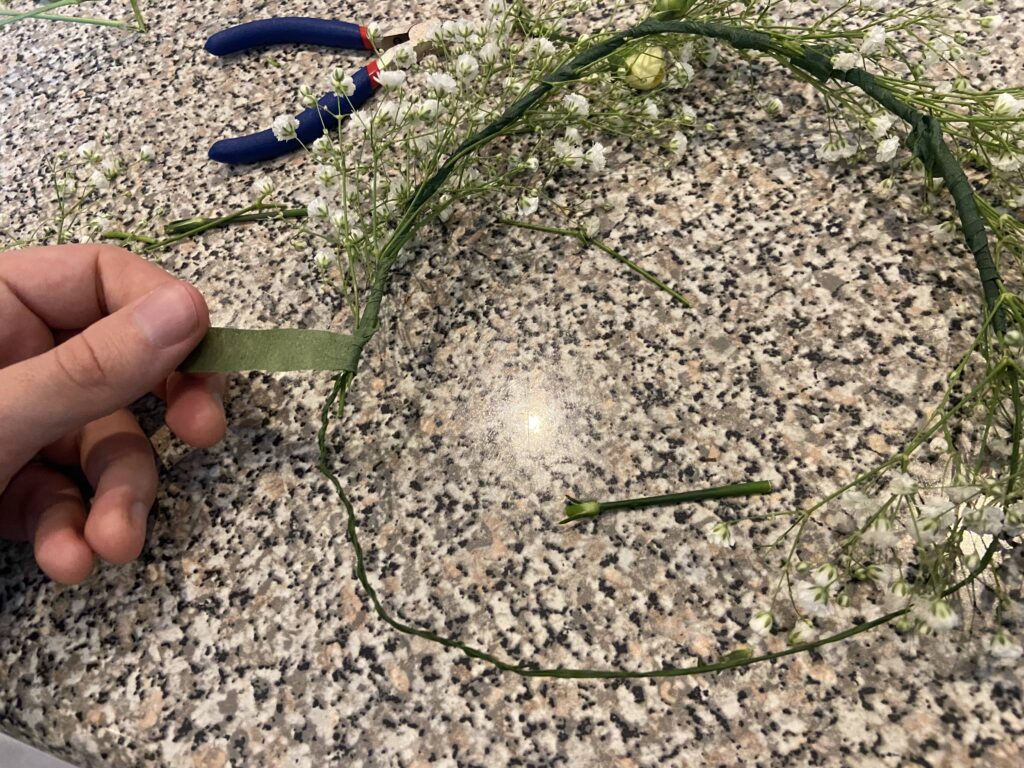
[{"x": 313, "y": 122}]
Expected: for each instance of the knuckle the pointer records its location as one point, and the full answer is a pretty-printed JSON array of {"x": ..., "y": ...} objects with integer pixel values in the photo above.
[{"x": 80, "y": 362}]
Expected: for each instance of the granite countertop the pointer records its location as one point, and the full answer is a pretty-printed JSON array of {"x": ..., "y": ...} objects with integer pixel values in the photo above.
[{"x": 512, "y": 368}]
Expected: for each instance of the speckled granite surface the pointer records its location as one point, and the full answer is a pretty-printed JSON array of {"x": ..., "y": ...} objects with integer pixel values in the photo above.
[{"x": 823, "y": 318}]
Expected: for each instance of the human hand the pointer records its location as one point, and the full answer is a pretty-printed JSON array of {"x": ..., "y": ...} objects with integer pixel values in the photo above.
[{"x": 84, "y": 331}]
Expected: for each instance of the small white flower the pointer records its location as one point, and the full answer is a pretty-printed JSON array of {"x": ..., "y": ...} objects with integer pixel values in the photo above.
[
  {"x": 576, "y": 104},
  {"x": 146, "y": 152},
  {"x": 939, "y": 616},
  {"x": 528, "y": 205},
  {"x": 1003, "y": 648},
  {"x": 404, "y": 56},
  {"x": 568, "y": 153},
  {"x": 933, "y": 521},
  {"x": 540, "y": 46},
  {"x": 682, "y": 74},
  {"x": 803, "y": 632},
  {"x": 111, "y": 167},
  {"x": 596, "y": 157},
  {"x": 761, "y": 623},
  {"x": 322, "y": 147},
  {"x": 324, "y": 259},
  {"x": 391, "y": 78},
  {"x": 441, "y": 82},
  {"x": 262, "y": 186},
  {"x": 306, "y": 97},
  {"x": 858, "y": 504},
  {"x": 373, "y": 31},
  {"x": 880, "y": 125},
  {"x": 651, "y": 110},
  {"x": 887, "y": 149},
  {"x": 845, "y": 61},
  {"x": 317, "y": 208},
  {"x": 879, "y": 533},
  {"x": 99, "y": 180},
  {"x": 489, "y": 53},
  {"x": 721, "y": 533},
  {"x": 678, "y": 143},
  {"x": 338, "y": 219},
  {"x": 1014, "y": 338},
  {"x": 825, "y": 575},
  {"x": 898, "y": 595},
  {"x": 811, "y": 598},
  {"x": 428, "y": 109},
  {"x": 1007, "y": 105},
  {"x": 284, "y": 127},
  {"x": 495, "y": 7},
  {"x": 532, "y": 163},
  {"x": 987, "y": 519},
  {"x": 902, "y": 484},
  {"x": 466, "y": 67},
  {"x": 342, "y": 83},
  {"x": 836, "y": 149},
  {"x": 874, "y": 41},
  {"x": 961, "y": 493},
  {"x": 89, "y": 153},
  {"x": 327, "y": 176},
  {"x": 591, "y": 226},
  {"x": 1008, "y": 163}
]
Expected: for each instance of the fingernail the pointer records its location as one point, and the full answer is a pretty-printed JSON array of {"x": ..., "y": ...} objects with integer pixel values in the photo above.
[
  {"x": 140, "y": 514},
  {"x": 167, "y": 315}
]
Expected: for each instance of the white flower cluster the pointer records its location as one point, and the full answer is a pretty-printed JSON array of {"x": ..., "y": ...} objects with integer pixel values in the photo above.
[{"x": 368, "y": 170}]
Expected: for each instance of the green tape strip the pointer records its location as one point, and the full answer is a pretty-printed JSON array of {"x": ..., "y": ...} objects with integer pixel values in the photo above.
[{"x": 277, "y": 349}]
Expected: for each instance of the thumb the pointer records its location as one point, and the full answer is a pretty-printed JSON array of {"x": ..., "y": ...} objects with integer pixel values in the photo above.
[{"x": 105, "y": 367}]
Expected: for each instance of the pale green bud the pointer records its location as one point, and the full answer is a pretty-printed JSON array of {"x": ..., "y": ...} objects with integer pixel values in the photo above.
[{"x": 645, "y": 70}]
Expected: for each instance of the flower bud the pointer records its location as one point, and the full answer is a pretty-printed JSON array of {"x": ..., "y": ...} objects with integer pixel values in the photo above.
[{"x": 645, "y": 69}]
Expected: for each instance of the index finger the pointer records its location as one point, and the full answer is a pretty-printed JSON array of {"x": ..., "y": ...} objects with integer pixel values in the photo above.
[{"x": 73, "y": 286}]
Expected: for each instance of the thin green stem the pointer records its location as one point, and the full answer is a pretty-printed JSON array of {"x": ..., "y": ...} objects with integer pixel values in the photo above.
[
  {"x": 581, "y": 510},
  {"x": 199, "y": 224},
  {"x": 38, "y": 12},
  {"x": 586, "y": 239},
  {"x": 140, "y": 23},
  {"x": 130, "y": 237},
  {"x": 6, "y": 12}
]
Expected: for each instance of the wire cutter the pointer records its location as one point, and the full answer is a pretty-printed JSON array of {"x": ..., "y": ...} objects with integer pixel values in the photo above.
[{"x": 315, "y": 121}]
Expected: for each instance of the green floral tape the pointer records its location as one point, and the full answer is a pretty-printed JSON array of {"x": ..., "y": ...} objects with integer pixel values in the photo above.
[{"x": 226, "y": 350}]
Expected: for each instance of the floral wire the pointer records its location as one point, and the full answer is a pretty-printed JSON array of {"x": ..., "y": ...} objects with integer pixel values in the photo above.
[{"x": 927, "y": 143}]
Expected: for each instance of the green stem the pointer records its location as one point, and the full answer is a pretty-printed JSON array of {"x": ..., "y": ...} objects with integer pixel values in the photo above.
[
  {"x": 131, "y": 237},
  {"x": 5, "y": 12},
  {"x": 199, "y": 224},
  {"x": 580, "y": 510},
  {"x": 586, "y": 239},
  {"x": 38, "y": 12},
  {"x": 140, "y": 22}
]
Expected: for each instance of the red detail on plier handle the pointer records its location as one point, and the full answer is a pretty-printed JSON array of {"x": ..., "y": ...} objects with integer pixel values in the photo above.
[
  {"x": 373, "y": 69},
  {"x": 366, "y": 38}
]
